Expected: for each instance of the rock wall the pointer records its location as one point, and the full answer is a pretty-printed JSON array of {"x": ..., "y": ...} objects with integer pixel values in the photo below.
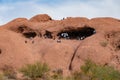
[{"x": 62, "y": 44}]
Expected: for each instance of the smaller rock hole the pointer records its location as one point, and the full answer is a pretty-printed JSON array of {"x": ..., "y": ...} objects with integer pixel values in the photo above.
[
  {"x": 25, "y": 41},
  {"x": 48, "y": 34},
  {"x": 0, "y": 51},
  {"x": 21, "y": 29}
]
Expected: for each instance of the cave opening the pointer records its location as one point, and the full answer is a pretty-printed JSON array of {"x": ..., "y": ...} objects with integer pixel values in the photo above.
[
  {"x": 0, "y": 51},
  {"x": 21, "y": 29},
  {"x": 30, "y": 34},
  {"x": 78, "y": 34},
  {"x": 48, "y": 34}
]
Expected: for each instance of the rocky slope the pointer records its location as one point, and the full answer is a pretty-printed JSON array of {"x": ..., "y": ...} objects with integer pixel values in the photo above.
[{"x": 62, "y": 44}]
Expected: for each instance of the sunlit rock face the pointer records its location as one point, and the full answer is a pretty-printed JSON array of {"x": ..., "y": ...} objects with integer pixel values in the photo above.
[{"x": 62, "y": 44}]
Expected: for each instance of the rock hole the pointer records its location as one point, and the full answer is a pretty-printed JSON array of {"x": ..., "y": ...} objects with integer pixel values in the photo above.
[
  {"x": 23, "y": 28},
  {"x": 118, "y": 47},
  {"x": 30, "y": 34},
  {"x": 25, "y": 41},
  {"x": 0, "y": 51},
  {"x": 32, "y": 42},
  {"x": 78, "y": 34},
  {"x": 48, "y": 34}
]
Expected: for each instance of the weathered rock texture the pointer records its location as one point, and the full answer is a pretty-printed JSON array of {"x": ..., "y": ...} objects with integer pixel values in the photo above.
[{"x": 62, "y": 44}]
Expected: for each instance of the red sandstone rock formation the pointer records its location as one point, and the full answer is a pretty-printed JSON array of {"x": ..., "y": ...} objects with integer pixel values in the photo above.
[{"x": 62, "y": 44}]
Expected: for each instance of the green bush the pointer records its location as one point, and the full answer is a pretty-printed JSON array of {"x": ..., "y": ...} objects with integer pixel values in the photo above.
[
  {"x": 34, "y": 71},
  {"x": 99, "y": 72},
  {"x": 91, "y": 71}
]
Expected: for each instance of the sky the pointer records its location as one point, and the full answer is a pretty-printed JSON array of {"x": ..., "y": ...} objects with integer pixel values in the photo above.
[{"x": 57, "y": 9}]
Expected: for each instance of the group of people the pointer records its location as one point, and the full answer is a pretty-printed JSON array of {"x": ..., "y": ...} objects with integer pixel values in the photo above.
[
  {"x": 76, "y": 35},
  {"x": 66, "y": 36}
]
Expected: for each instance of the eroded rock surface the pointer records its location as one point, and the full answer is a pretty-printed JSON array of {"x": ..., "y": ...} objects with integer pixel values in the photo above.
[{"x": 62, "y": 44}]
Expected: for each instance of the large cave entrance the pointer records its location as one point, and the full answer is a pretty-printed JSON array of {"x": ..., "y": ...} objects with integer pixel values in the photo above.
[
  {"x": 30, "y": 34},
  {"x": 78, "y": 34}
]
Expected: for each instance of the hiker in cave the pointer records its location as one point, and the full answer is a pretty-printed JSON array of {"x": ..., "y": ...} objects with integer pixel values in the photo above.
[
  {"x": 94, "y": 32},
  {"x": 80, "y": 37},
  {"x": 64, "y": 35},
  {"x": 80, "y": 34}
]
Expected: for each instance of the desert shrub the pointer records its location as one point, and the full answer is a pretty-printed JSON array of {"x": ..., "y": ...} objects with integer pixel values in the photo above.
[
  {"x": 99, "y": 72},
  {"x": 89, "y": 71},
  {"x": 1, "y": 76},
  {"x": 34, "y": 71},
  {"x": 9, "y": 72},
  {"x": 57, "y": 74},
  {"x": 77, "y": 75}
]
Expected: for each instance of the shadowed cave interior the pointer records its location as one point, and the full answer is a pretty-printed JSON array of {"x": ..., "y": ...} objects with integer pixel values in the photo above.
[
  {"x": 30, "y": 34},
  {"x": 48, "y": 34},
  {"x": 78, "y": 34}
]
